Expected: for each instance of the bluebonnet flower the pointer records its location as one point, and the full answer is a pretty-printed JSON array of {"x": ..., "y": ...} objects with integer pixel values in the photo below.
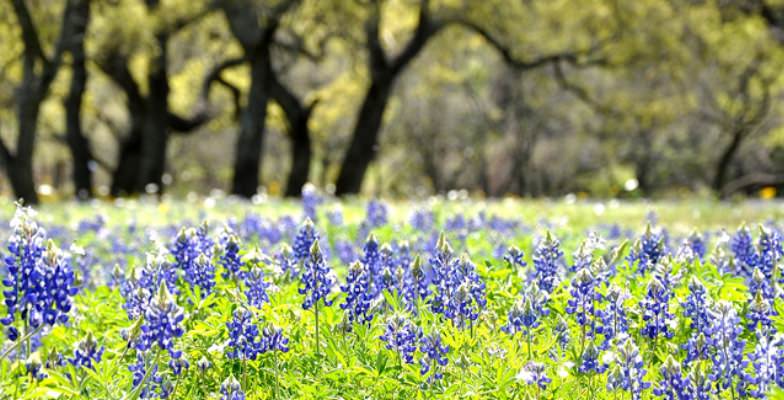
[
  {"x": 230, "y": 258},
  {"x": 628, "y": 373},
  {"x": 33, "y": 365},
  {"x": 274, "y": 340},
  {"x": 698, "y": 245},
  {"x": 460, "y": 294},
  {"x": 697, "y": 348},
  {"x": 647, "y": 250},
  {"x": 376, "y": 213},
  {"x": 759, "y": 283},
  {"x": 140, "y": 288},
  {"x": 310, "y": 201},
  {"x": 697, "y": 306},
  {"x": 584, "y": 296},
  {"x": 434, "y": 355},
  {"x": 201, "y": 275},
  {"x": 38, "y": 280},
  {"x": 244, "y": 340},
  {"x": 547, "y": 259},
  {"x": 335, "y": 216},
  {"x": 533, "y": 373},
  {"x": 401, "y": 335},
  {"x": 727, "y": 355},
  {"x": 161, "y": 324},
  {"x": 371, "y": 260},
  {"x": 359, "y": 296},
  {"x": 768, "y": 362},
  {"x": 582, "y": 258},
  {"x": 746, "y": 257},
  {"x": 614, "y": 319},
  {"x": 422, "y": 220},
  {"x": 526, "y": 314},
  {"x": 589, "y": 360},
  {"x": 759, "y": 314},
  {"x": 515, "y": 257},
  {"x": 304, "y": 240},
  {"x": 656, "y": 314},
  {"x": 419, "y": 285},
  {"x": 256, "y": 287},
  {"x": 147, "y": 378},
  {"x": 231, "y": 389},
  {"x": 561, "y": 334},
  {"x": 316, "y": 279},
  {"x": 203, "y": 364},
  {"x": 345, "y": 251},
  {"x": 286, "y": 263},
  {"x": 673, "y": 385},
  {"x": 770, "y": 250},
  {"x": 86, "y": 353},
  {"x": 700, "y": 387},
  {"x": 192, "y": 251}
]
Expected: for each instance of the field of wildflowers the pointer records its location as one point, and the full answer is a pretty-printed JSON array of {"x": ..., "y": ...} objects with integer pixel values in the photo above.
[{"x": 219, "y": 299}]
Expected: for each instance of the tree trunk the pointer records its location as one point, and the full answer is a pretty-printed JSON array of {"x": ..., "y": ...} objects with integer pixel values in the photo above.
[
  {"x": 297, "y": 117},
  {"x": 77, "y": 143},
  {"x": 155, "y": 133},
  {"x": 300, "y": 155},
  {"x": 363, "y": 146},
  {"x": 725, "y": 160},
  {"x": 250, "y": 141},
  {"x": 125, "y": 173},
  {"x": 20, "y": 167}
]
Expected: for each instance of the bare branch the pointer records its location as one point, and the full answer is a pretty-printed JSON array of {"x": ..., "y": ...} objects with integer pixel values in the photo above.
[{"x": 575, "y": 57}]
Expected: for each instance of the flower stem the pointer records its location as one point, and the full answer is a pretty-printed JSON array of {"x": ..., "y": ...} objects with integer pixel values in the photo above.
[{"x": 24, "y": 339}]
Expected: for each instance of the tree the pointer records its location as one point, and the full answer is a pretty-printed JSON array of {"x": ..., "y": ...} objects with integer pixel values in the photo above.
[
  {"x": 77, "y": 142},
  {"x": 39, "y": 70},
  {"x": 141, "y": 158}
]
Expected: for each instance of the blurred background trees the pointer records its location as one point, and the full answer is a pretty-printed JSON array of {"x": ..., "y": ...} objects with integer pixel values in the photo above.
[{"x": 396, "y": 97}]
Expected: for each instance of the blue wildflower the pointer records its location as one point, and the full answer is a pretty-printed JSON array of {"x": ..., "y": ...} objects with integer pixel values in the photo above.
[
  {"x": 230, "y": 258},
  {"x": 401, "y": 335},
  {"x": 86, "y": 353},
  {"x": 161, "y": 324},
  {"x": 547, "y": 259},
  {"x": 673, "y": 385},
  {"x": 515, "y": 257},
  {"x": 231, "y": 390},
  {"x": 647, "y": 251},
  {"x": 304, "y": 240},
  {"x": 614, "y": 319},
  {"x": 584, "y": 296},
  {"x": 656, "y": 315},
  {"x": 628, "y": 373},
  {"x": 533, "y": 373},
  {"x": 727, "y": 355},
  {"x": 589, "y": 360},
  {"x": 434, "y": 355},
  {"x": 745, "y": 255},
  {"x": 359, "y": 296},
  {"x": 39, "y": 281},
  {"x": 310, "y": 201},
  {"x": 244, "y": 340},
  {"x": 256, "y": 287},
  {"x": 316, "y": 279}
]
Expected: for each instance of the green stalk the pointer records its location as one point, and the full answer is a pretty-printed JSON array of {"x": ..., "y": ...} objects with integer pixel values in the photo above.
[{"x": 24, "y": 339}]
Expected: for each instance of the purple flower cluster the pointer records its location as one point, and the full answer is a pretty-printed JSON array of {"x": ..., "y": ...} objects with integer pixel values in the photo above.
[
  {"x": 38, "y": 280},
  {"x": 316, "y": 279},
  {"x": 246, "y": 342},
  {"x": 401, "y": 335},
  {"x": 547, "y": 262}
]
